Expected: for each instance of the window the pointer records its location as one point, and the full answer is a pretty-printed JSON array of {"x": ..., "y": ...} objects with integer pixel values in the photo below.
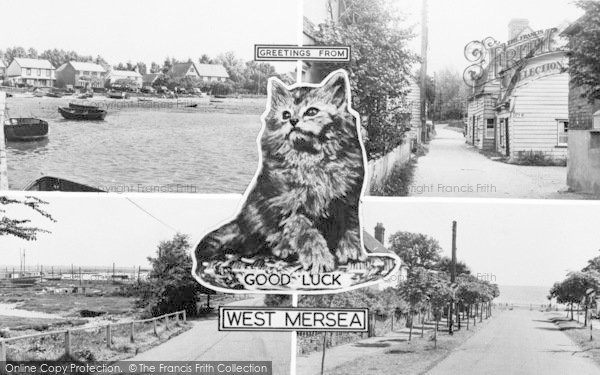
[
  {"x": 28, "y": 71},
  {"x": 48, "y": 72},
  {"x": 563, "y": 128},
  {"x": 39, "y": 72},
  {"x": 490, "y": 128}
]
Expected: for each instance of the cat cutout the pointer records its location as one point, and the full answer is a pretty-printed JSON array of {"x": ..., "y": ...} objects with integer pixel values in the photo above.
[{"x": 299, "y": 227}]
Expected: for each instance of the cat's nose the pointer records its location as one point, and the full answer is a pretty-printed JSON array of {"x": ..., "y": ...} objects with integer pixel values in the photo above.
[{"x": 294, "y": 121}]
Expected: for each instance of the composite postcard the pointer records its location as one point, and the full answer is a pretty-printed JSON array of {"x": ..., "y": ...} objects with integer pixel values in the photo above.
[{"x": 300, "y": 187}]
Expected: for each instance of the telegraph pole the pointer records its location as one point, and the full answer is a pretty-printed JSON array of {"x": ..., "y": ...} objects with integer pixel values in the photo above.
[
  {"x": 452, "y": 274},
  {"x": 424, "y": 42},
  {"x": 3, "y": 162}
]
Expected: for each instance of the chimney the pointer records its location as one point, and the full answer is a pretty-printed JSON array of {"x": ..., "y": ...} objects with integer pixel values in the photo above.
[
  {"x": 380, "y": 233},
  {"x": 515, "y": 26}
]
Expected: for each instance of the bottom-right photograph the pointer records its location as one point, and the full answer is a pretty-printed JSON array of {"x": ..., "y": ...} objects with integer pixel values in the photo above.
[{"x": 485, "y": 287}]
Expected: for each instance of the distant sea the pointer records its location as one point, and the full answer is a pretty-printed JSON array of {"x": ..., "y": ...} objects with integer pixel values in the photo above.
[{"x": 523, "y": 295}]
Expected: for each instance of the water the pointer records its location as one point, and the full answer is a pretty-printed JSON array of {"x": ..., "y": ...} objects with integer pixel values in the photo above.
[
  {"x": 148, "y": 150},
  {"x": 523, "y": 295}
]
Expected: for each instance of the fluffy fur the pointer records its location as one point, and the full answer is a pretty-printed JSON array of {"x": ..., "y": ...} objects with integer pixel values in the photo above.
[{"x": 304, "y": 205}]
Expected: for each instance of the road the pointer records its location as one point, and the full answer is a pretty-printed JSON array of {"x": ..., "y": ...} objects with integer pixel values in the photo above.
[
  {"x": 518, "y": 342},
  {"x": 454, "y": 169},
  {"x": 205, "y": 343}
]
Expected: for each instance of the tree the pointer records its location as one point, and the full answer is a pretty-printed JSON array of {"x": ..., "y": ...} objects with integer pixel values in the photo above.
[
  {"x": 170, "y": 286},
  {"x": 584, "y": 47},
  {"x": 449, "y": 97},
  {"x": 155, "y": 68},
  {"x": 21, "y": 228},
  {"x": 416, "y": 250},
  {"x": 205, "y": 59},
  {"x": 14, "y": 52},
  {"x": 141, "y": 68},
  {"x": 593, "y": 264},
  {"x": 255, "y": 76},
  {"x": 444, "y": 265},
  {"x": 380, "y": 65},
  {"x": 233, "y": 65},
  {"x": 574, "y": 289}
]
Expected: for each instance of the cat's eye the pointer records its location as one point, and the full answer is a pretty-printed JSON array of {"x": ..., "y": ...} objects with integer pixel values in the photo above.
[
  {"x": 311, "y": 111},
  {"x": 286, "y": 115}
]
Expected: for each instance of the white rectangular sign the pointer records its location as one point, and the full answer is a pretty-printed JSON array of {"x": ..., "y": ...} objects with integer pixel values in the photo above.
[
  {"x": 265, "y": 52},
  {"x": 233, "y": 318}
]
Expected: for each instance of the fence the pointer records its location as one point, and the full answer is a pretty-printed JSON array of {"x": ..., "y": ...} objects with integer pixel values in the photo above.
[
  {"x": 109, "y": 329},
  {"x": 379, "y": 170}
]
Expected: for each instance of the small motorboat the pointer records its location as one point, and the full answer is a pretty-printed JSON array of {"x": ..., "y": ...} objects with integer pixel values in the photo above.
[
  {"x": 49, "y": 183},
  {"x": 25, "y": 129},
  {"x": 118, "y": 95},
  {"x": 192, "y": 105},
  {"x": 84, "y": 114},
  {"x": 54, "y": 94},
  {"x": 83, "y": 106}
]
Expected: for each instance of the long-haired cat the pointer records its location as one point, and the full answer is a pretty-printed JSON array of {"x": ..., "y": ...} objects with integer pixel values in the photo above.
[{"x": 303, "y": 206}]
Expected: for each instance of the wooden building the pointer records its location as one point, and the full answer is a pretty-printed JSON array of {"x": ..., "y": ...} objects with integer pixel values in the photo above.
[
  {"x": 203, "y": 72},
  {"x": 79, "y": 74},
  {"x": 31, "y": 72},
  {"x": 521, "y": 105}
]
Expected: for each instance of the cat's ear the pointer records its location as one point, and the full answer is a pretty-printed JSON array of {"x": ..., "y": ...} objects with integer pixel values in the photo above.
[
  {"x": 336, "y": 88},
  {"x": 277, "y": 89}
]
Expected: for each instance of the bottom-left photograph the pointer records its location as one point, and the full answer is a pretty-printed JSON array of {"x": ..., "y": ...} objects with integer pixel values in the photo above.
[{"x": 96, "y": 278}]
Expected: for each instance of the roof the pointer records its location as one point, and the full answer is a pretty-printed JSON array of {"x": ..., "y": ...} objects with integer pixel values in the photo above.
[
  {"x": 372, "y": 245},
  {"x": 181, "y": 69},
  {"x": 212, "y": 70},
  {"x": 151, "y": 77},
  {"x": 87, "y": 66},
  {"x": 33, "y": 63},
  {"x": 124, "y": 73}
]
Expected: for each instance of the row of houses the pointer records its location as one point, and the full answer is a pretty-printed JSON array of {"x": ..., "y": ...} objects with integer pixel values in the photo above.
[{"x": 77, "y": 74}]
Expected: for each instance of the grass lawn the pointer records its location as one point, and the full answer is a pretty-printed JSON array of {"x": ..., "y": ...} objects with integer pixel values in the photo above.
[{"x": 581, "y": 336}]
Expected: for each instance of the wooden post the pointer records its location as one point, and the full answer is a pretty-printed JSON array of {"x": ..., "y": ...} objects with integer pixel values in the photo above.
[
  {"x": 167, "y": 322},
  {"x": 154, "y": 327},
  {"x": 108, "y": 336},
  {"x": 2, "y": 351},
  {"x": 184, "y": 316},
  {"x": 3, "y": 161},
  {"x": 131, "y": 334},
  {"x": 177, "y": 319},
  {"x": 68, "y": 343}
]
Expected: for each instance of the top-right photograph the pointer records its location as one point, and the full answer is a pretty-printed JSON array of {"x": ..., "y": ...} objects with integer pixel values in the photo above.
[{"x": 469, "y": 98}]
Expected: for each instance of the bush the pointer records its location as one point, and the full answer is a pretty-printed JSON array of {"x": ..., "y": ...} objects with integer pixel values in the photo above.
[
  {"x": 537, "y": 158},
  {"x": 397, "y": 184}
]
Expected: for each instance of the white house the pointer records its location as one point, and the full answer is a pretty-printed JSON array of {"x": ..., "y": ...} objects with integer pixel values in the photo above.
[
  {"x": 129, "y": 75},
  {"x": 204, "y": 72},
  {"x": 31, "y": 72},
  {"x": 2, "y": 68}
]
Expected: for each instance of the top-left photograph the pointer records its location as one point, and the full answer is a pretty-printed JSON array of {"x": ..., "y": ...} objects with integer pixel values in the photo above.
[{"x": 137, "y": 96}]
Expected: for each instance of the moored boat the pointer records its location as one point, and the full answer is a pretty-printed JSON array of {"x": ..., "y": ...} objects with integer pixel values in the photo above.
[
  {"x": 25, "y": 129},
  {"x": 82, "y": 113},
  {"x": 49, "y": 183},
  {"x": 83, "y": 106}
]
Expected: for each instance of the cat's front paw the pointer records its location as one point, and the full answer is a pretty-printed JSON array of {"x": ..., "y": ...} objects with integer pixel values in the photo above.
[
  {"x": 349, "y": 248},
  {"x": 314, "y": 255}
]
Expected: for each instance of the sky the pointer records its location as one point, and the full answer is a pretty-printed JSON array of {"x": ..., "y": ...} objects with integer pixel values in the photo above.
[
  {"x": 150, "y": 30},
  {"x": 520, "y": 242},
  {"x": 454, "y": 23}
]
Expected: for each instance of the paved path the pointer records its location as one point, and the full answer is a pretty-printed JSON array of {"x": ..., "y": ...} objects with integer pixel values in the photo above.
[
  {"x": 454, "y": 169},
  {"x": 205, "y": 343},
  {"x": 518, "y": 342}
]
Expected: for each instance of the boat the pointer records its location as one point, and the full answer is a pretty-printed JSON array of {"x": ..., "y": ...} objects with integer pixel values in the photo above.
[
  {"x": 54, "y": 94},
  {"x": 25, "y": 129},
  {"x": 82, "y": 114},
  {"x": 87, "y": 95},
  {"x": 83, "y": 106},
  {"x": 49, "y": 183},
  {"x": 192, "y": 105},
  {"x": 117, "y": 95}
]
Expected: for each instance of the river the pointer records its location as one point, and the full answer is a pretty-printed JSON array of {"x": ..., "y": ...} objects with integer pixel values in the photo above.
[{"x": 189, "y": 150}]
